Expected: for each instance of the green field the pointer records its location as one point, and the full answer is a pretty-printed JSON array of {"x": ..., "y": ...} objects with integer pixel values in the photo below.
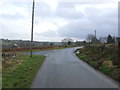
[{"x": 20, "y": 72}]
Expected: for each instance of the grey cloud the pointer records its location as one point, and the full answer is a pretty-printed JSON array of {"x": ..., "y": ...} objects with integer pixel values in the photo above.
[
  {"x": 12, "y": 35},
  {"x": 11, "y": 17},
  {"x": 69, "y": 13},
  {"x": 105, "y": 23},
  {"x": 49, "y": 33},
  {"x": 67, "y": 10},
  {"x": 43, "y": 10},
  {"x": 79, "y": 25},
  {"x": 13, "y": 6},
  {"x": 66, "y": 4},
  {"x": 95, "y": 14},
  {"x": 77, "y": 29},
  {"x": 64, "y": 10}
]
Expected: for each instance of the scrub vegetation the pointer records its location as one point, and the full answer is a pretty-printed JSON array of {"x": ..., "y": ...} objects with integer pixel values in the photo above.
[{"x": 103, "y": 57}]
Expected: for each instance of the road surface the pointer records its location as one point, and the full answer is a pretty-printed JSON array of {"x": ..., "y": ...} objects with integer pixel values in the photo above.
[
  {"x": 45, "y": 53},
  {"x": 62, "y": 69}
]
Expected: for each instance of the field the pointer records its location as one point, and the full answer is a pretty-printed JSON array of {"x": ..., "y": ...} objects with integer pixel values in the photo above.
[{"x": 103, "y": 57}]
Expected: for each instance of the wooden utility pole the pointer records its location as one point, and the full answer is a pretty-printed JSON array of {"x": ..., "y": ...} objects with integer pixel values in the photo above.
[
  {"x": 32, "y": 27},
  {"x": 95, "y": 37}
]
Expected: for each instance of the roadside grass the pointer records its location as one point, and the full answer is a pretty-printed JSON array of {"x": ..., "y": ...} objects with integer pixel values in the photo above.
[
  {"x": 102, "y": 58},
  {"x": 109, "y": 71},
  {"x": 86, "y": 59},
  {"x": 21, "y": 71}
]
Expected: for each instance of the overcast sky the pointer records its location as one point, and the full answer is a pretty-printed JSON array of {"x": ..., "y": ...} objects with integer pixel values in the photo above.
[{"x": 56, "y": 19}]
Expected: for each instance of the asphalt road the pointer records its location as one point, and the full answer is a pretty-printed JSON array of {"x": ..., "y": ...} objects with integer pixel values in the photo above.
[
  {"x": 62, "y": 69},
  {"x": 45, "y": 53}
]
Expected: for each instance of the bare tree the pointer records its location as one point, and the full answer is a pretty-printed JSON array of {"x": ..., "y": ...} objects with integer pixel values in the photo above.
[
  {"x": 90, "y": 37},
  {"x": 67, "y": 41},
  {"x": 103, "y": 39}
]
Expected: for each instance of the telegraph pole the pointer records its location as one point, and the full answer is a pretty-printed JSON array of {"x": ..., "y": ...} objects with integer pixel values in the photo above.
[
  {"x": 95, "y": 37},
  {"x": 32, "y": 27}
]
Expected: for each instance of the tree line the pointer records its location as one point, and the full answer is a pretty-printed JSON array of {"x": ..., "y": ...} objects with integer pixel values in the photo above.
[
  {"x": 108, "y": 40},
  {"x": 90, "y": 39}
]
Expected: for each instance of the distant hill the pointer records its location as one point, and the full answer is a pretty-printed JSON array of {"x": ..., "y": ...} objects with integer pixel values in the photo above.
[{"x": 6, "y": 44}]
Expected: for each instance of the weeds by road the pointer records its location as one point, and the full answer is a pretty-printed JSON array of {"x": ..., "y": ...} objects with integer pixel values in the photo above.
[
  {"x": 20, "y": 72},
  {"x": 103, "y": 58}
]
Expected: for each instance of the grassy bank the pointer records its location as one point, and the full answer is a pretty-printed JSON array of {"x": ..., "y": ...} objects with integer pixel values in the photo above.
[
  {"x": 103, "y": 58},
  {"x": 19, "y": 72}
]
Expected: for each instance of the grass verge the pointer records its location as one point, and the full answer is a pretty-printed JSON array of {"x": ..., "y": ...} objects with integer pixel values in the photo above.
[
  {"x": 21, "y": 73},
  {"x": 113, "y": 73},
  {"x": 86, "y": 59},
  {"x": 104, "y": 60}
]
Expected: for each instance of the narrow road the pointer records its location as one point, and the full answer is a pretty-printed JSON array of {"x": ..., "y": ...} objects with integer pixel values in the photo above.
[
  {"x": 62, "y": 69},
  {"x": 45, "y": 53}
]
